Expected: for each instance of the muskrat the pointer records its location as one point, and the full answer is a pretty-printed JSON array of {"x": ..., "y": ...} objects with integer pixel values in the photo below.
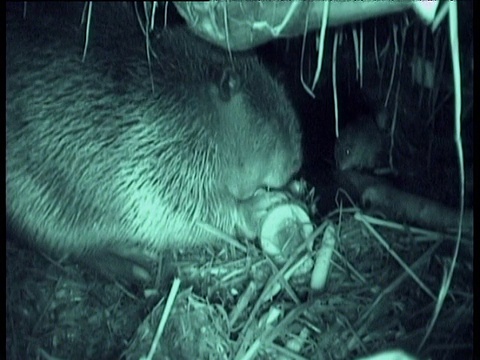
[
  {"x": 116, "y": 153},
  {"x": 361, "y": 145},
  {"x": 428, "y": 169}
]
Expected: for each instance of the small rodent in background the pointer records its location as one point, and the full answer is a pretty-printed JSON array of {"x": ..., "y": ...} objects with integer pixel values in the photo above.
[
  {"x": 361, "y": 145},
  {"x": 419, "y": 167},
  {"x": 97, "y": 160}
]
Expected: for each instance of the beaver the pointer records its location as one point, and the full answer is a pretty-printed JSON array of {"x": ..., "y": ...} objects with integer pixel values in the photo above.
[{"x": 120, "y": 153}]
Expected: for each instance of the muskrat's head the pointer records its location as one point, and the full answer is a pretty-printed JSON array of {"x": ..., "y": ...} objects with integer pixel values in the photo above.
[{"x": 360, "y": 146}]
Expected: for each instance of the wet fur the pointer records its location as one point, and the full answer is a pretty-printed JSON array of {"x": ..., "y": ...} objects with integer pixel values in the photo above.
[{"x": 95, "y": 158}]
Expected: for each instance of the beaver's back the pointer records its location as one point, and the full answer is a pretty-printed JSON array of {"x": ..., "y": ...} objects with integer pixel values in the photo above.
[{"x": 96, "y": 157}]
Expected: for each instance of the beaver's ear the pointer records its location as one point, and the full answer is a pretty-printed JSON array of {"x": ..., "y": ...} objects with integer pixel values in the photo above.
[{"x": 229, "y": 84}]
